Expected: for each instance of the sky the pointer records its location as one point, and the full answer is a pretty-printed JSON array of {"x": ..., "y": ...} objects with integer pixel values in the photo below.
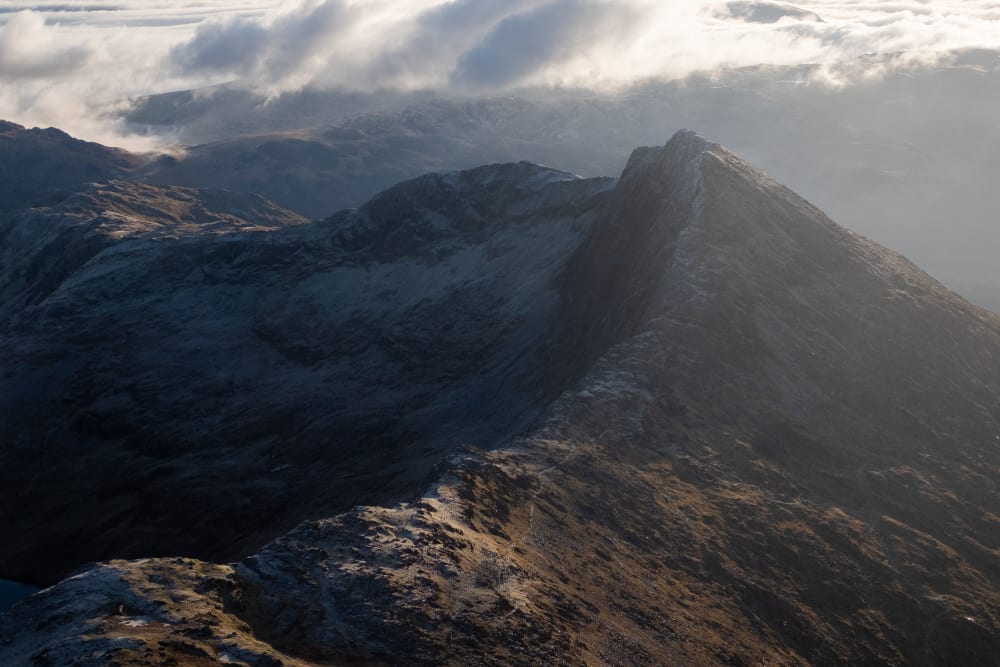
[{"x": 72, "y": 63}]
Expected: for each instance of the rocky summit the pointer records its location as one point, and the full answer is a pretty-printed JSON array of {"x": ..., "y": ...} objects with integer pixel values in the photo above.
[{"x": 500, "y": 416}]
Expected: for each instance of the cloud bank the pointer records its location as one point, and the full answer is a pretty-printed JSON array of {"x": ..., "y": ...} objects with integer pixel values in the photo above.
[{"x": 70, "y": 64}]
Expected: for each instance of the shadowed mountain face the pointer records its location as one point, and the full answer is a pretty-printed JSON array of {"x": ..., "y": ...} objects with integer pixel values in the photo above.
[
  {"x": 721, "y": 430},
  {"x": 196, "y": 372}
]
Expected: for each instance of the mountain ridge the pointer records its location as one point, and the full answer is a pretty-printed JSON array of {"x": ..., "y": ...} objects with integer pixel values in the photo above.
[
  {"x": 761, "y": 439},
  {"x": 841, "y": 147}
]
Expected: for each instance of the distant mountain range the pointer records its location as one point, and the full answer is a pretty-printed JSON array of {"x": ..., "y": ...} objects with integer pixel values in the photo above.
[
  {"x": 903, "y": 158},
  {"x": 504, "y": 415},
  {"x": 921, "y": 183}
]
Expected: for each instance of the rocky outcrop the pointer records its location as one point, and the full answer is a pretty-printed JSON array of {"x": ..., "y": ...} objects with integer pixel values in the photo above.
[{"x": 757, "y": 438}]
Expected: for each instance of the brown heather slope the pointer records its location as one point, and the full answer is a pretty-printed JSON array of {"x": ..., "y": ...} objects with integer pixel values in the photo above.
[{"x": 785, "y": 452}]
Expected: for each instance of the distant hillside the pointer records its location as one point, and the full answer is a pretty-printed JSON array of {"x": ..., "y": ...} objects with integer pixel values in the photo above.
[{"x": 39, "y": 166}]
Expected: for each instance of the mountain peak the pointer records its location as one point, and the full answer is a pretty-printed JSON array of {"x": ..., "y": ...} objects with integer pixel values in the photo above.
[
  {"x": 671, "y": 169},
  {"x": 689, "y": 140},
  {"x": 428, "y": 215},
  {"x": 682, "y": 148},
  {"x": 523, "y": 174}
]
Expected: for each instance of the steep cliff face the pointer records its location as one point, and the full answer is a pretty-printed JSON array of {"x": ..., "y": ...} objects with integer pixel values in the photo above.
[{"x": 750, "y": 437}]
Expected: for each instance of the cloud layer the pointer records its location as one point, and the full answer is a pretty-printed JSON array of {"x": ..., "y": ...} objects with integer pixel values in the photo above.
[{"x": 69, "y": 64}]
